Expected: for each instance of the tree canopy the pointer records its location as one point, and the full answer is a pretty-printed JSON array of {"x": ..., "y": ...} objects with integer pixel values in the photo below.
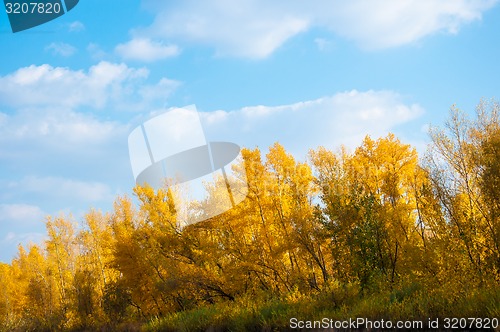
[{"x": 377, "y": 217}]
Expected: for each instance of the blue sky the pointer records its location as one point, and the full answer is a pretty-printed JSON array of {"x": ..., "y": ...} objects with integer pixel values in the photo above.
[{"x": 303, "y": 73}]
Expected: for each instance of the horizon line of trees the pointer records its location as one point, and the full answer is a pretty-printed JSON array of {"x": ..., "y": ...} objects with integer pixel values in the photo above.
[{"x": 377, "y": 217}]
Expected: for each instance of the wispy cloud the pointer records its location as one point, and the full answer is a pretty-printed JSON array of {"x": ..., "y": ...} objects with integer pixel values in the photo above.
[
  {"x": 62, "y": 188},
  {"x": 259, "y": 27},
  {"x": 19, "y": 224},
  {"x": 76, "y": 26},
  {"x": 61, "y": 158},
  {"x": 102, "y": 85},
  {"x": 59, "y": 149},
  {"x": 147, "y": 50},
  {"x": 62, "y": 49},
  {"x": 342, "y": 118},
  {"x": 9, "y": 242},
  {"x": 96, "y": 52},
  {"x": 21, "y": 214},
  {"x": 56, "y": 127},
  {"x": 322, "y": 43},
  {"x": 384, "y": 23}
]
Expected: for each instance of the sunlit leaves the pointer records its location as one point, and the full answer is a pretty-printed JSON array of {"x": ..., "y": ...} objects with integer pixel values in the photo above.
[{"x": 374, "y": 218}]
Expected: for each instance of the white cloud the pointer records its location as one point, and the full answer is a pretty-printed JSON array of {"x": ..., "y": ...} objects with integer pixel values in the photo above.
[
  {"x": 62, "y": 49},
  {"x": 160, "y": 91},
  {"x": 76, "y": 26},
  {"x": 21, "y": 213},
  {"x": 57, "y": 127},
  {"x": 146, "y": 50},
  {"x": 8, "y": 244},
  {"x": 47, "y": 128},
  {"x": 245, "y": 28},
  {"x": 20, "y": 224},
  {"x": 322, "y": 43},
  {"x": 344, "y": 118},
  {"x": 62, "y": 188},
  {"x": 256, "y": 28},
  {"x": 54, "y": 143},
  {"x": 56, "y": 152},
  {"x": 23, "y": 238},
  {"x": 96, "y": 52},
  {"x": 383, "y": 23},
  {"x": 105, "y": 84},
  {"x": 47, "y": 119}
]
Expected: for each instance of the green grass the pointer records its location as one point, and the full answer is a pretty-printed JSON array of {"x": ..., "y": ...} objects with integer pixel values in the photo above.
[{"x": 339, "y": 303}]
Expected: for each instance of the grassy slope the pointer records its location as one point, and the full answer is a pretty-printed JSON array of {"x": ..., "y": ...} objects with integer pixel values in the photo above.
[{"x": 341, "y": 303}]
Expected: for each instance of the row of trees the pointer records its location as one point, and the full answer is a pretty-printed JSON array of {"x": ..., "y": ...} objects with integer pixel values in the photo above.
[{"x": 376, "y": 217}]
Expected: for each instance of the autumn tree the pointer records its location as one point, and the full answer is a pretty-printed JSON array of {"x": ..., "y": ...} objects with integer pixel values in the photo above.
[
  {"x": 463, "y": 164},
  {"x": 7, "y": 316},
  {"x": 376, "y": 217},
  {"x": 369, "y": 207},
  {"x": 93, "y": 268}
]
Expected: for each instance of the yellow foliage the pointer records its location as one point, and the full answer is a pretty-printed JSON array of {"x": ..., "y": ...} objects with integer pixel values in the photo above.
[{"x": 376, "y": 219}]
